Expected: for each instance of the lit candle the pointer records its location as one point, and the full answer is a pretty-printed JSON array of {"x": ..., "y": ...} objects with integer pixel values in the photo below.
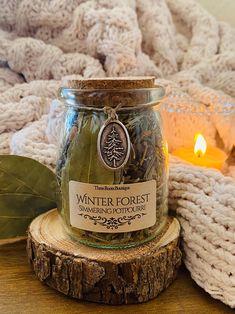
[{"x": 201, "y": 155}]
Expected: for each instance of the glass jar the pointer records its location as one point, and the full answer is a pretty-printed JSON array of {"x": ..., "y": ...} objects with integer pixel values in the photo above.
[{"x": 112, "y": 163}]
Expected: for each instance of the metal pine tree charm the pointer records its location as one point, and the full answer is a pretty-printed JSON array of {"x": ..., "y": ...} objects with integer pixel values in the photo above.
[
  {"x": 113, "y": 145},
  {"x": 114, "y": 149}
]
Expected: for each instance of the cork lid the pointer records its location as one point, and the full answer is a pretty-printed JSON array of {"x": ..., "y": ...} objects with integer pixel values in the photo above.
[
  {"x": 110, "y": 91},
  {"x": 75, "y": 82}
]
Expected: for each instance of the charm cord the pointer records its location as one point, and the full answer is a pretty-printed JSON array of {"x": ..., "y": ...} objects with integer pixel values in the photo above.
[
  {"x": 112, "y": 113},
  {"x": 118, "y": 108}
]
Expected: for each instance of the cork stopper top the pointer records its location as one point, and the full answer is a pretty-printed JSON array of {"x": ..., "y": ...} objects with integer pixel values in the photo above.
[
  {"x": 136, "y": 82},
  {"x": 110, "y": 91}
]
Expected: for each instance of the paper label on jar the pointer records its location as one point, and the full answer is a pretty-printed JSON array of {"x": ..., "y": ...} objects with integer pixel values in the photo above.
[{"x": 112, "y": 208}]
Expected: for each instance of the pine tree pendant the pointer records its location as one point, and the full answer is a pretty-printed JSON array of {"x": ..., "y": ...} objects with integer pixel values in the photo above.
[{"x": 113, "y": 144}]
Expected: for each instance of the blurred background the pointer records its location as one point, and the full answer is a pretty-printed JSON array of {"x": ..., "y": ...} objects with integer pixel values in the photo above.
[{"x": 223, "y": 10}]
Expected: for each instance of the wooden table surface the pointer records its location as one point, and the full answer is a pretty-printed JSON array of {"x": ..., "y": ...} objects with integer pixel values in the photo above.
[{"x": 21, "y": 292}]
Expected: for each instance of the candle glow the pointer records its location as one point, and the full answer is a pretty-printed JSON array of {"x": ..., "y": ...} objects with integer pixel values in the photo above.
[{"x": 201, "y": 154}]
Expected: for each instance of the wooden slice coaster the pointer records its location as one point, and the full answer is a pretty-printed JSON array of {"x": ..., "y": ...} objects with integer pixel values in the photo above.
[{"x": 106, "y": 276}]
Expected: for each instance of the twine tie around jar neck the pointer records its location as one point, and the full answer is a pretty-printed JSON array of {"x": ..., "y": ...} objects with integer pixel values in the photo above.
[{"x": 111, "y": 112}]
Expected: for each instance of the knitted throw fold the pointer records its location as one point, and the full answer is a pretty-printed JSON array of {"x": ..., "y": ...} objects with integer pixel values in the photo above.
[
  {"x": 177, "y": 41},
  {"x": 204, "y": 201}
]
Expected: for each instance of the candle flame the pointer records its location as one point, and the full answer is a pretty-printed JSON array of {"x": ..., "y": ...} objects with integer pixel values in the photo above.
[{"x": 200, "y": 145}]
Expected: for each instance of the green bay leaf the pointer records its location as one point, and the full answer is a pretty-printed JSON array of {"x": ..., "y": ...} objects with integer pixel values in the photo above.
[
  {"x": 84, "y": 164},
  {"x": 27, "y": 189}
]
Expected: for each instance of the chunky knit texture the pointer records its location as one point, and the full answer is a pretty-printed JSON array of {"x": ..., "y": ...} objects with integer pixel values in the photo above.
[
  {"x": 177, "y": 41},
  {"x": 204, "y": 201}
]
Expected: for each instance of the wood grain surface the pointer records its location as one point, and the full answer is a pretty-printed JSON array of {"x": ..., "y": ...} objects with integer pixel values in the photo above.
[
  {"x": 21, "y": 292},
  {"x": 115, "y": 277}
]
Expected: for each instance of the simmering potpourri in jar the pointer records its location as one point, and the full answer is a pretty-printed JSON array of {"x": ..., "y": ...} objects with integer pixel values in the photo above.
[{"x": 112, "y": 164}]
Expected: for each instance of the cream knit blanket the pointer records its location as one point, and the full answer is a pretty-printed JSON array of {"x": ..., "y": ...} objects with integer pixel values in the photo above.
[{"x": 190, "y": 53}]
